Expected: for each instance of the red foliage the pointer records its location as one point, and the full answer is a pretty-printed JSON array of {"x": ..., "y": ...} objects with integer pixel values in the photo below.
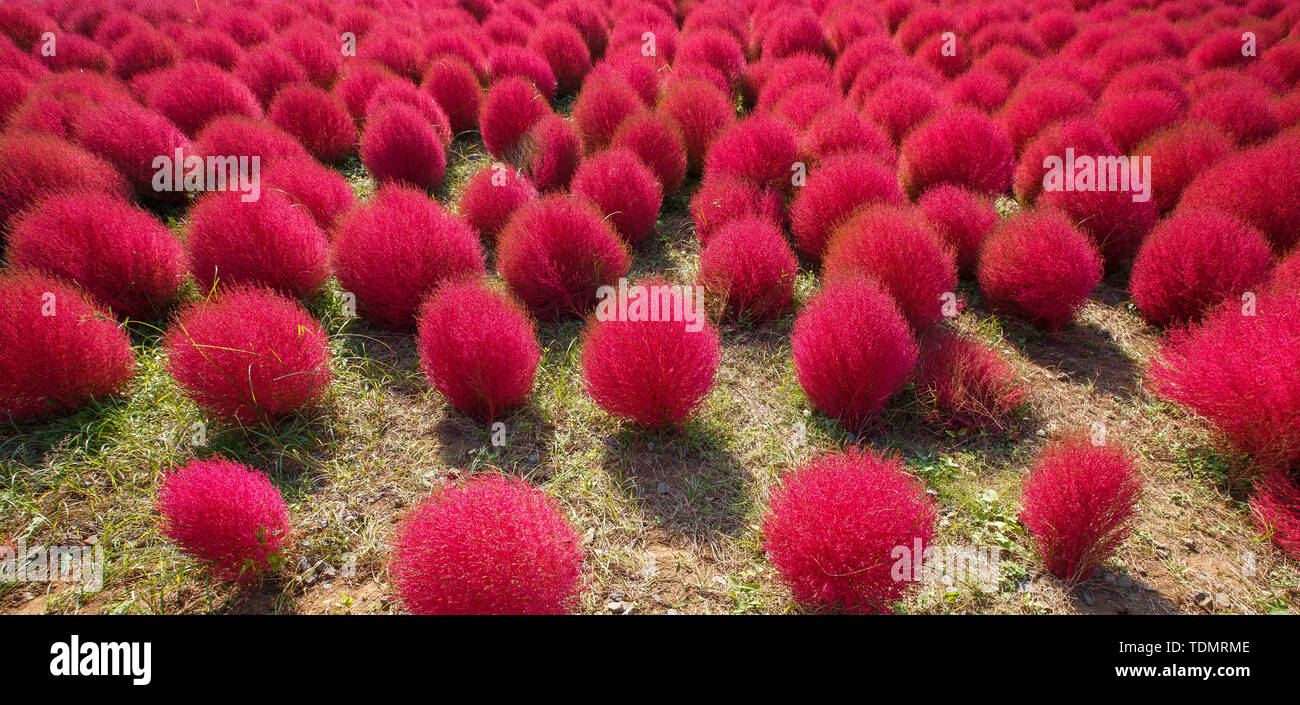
[
  {"x": 794, "y": 31},
  {"x": 749, "y": 266},
  {"x": 1238, "y": 371},
  {"x": 966, "y": 383},
  {"x": 490, "y": 545},
  {"x": 1193, "y": 260},
  {"x": 400, "y": 145},
  {"x": 511, "y": 60},
  {"x": 1285, "y": 277},
  {"x": 130, "y": 137},
  {"x": 24, "y": 23},
  {"x": 1116, "y": 223},
  {"x": 982, "y": 89},
  {"x": 33, "y": 167},
  {"x": 714, "y": 47},
  {"x": 833, "y": 526},
  {"x": 837, "y": 130},
  {"x": 318, "y": 120},
  {"x": 14, "y": 89},
  {"x": 511, "y": 108},
  {"x": 556, "y": 252},
  {"x": 657, "y": 143},
  {"x": 396, "y": 248},
  {"x": 478, "y": 348},
  {"x": 142, "y": 51},
  {"x": 759, "y": 149},
  {"x": 700, "y": 113},
  {"x": 551, "y": 152},
  {"x": 1276, "y": 508},
  {"x": 654, "y": 363},
  {"x": 835, "y": 189},
  {"x": 1040, "y": 266},
  {"x": 317, "y": 52},
  {"x": 234, "y": 136},
  {"x": 1241, "y": 112},
  {"x": 76, "y": 53},
  {"x": 624, "y": 190},
  {"x": 718, "y": 201},
  {"x": 266, "y": 69},
  {"x": 308, "y": 183},
  {"x": 59, "y": 349},
  {"x": 900, "y": 105},
  {"x": 564, "y": 49},
  {"x": 454, "y": 86},
  {"x": 193, "y": 93},
  {"x": 491, "y": 196},
  {"x": 358, "y": 84},
  {"x": 1083, "y": 135},
  {"x": 396, "y": 91},
  {"x": 1260, "y": 185},
  {"x": 228, "y": 516},
  {"x": 962, "y": 219},
  {"x": 1130, "y": 118},
  {"x": 963, "y": 147},
  {"x": 1078, "y": 503},
  {"x": 897, "y": 247},
  {"x": 852, "y": 351},
  {"x": 604, "y": 102},
  {"x": 1033, "y": 106}
]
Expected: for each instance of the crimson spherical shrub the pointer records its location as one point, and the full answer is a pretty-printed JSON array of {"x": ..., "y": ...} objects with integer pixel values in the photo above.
[
  {"x": 963, "y": 147},
  {"x": 833, "y": 526},
  {"x": 359, "y": 82},
  {"x": 59, "y": 349},
  {"x": 119, "y": 253},
  {"x": 1193, "y": 260},
  {"x": 130, "y": 136},
  {"x": 1083, "y": 135},
  {"x": 1260, "y": 185},
  {"x": 749, "y": 266},
  {"x": 306, "y": 182},
  {"x": 461, "y": 44},
  {"x": 834, "y": 190},
  {"x": 962, "y": 219},
  {"x": 193, "y": 93},
  {"x": 318, "y": 120},
  {"x": 1040, "y": 266},
  {"x": 511, "y": 108},
  {"x": 142, "y": 51},
  {"x": 1285, "y": 277},
  {"x": 556, "y": 252},
  {"x": 1241, "y": 112},
  {"x": 74, "y": 52},
  {"x": 393, "y": 250},
  {"x": 981, "y": 89},
  {"x": 490, "y": 545},
  {"x": 267, "y": 241},
  {"x": 228, "y": 516},
  {"x": 700, "y": 112},
  {"x": 233, "y": 136},
  {"x": 1178, "y": 154},
  {"x": 759, "y": 149},
  {"x": 718, "y": 201},
  {"x": 852, "y": 350},
  {"x": 1275, "y": 507},
  {"x": 714, "y": 47},
  {"x": 57, "y": 102},
  {"x": 551, "y": 153},
  {"x": 400, "y": 145},
  {"x": 316, "y": 51},
  {"x": 511, "y": 60},
  {"x": 14, "y": 89},
  {"x": 657, "y": 143},
  {"x": 804, "y": 103},
  {"x": 491, "y": 196},
  {"x": 965, "y": 383},
  {"x": 477, "y": 347},
  {"x": 624, "y": 368},
  {"x": 902, "y": 104},
  {"x": 1112, "y": 218},
  {"x": 454, "y": 86},
  {"x": 33, "y": 167},
  {"x": 265, "y": 70},
  {"x": 1130, "y": 118},
  {"x": 400, "y": 92},
  {"x": 1078, "y": 504},
  {"x": 896, "y": 246},
  {"x": 563, "y": 48},
  {"x": 604, "y": 102},
  {"x": 1237, "y": 370},
  {"x": 249, "y": 355},
  {"x": 1035, "y": 105},
  {"x": 624, "y": 190},
  {"x": 838, "y": 130}
]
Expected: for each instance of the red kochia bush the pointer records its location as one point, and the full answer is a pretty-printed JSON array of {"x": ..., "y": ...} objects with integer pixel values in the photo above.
[
  {"x": 115, "y": 251},
  {"x": 1035, "y": 105},
  {"x": 718, "y": 201},
  {"x": 308, "y": 183},
  {"x": 749, "y": 266},
  {"x": 896, "y": 246},
  {"x": 1039, "y": 265},
  {"x": 400, "y": 145},
  {"x": 478, "y": 348},
  {"x": 265, "y": 70},
  {"x": 33, "y": 167},
  {"x": 58, "y": 349},
  {"x": 1285, "y": 277},
  {"x": 1083, "y": 135},
  {"x": 606, "y": 100},
  {"x": 512, "y": 107},
  {"x": 1276, "y": 508},
  {"x": 563, "y": 48},
  {"x": 834, "y": 190},
  {"x": 234, "y": 136},
  {"x": 833, "y": 525},
  {"x": 454, "y": 86},
  {"x": 1193, "y": 260},
  {"x": 556, "y": 252},
  {"x": 625, "y": 368},
  {"x": 142, "y": 51},
  {"x": 265, "y": 242},
  {"x": 396, "y": 91},
  {"x": 491, "y": 196},
  {"x": 490, "y": 545},
  {"x": 1078, "y": 504},
  {"x": 760, "y": 149},
  {"x": 839, "y": 129},
  {"x": 623, "y": 189},
  {"x": 1239, "y": 371},
  {"x": 962, "y": 219},
  {"x": 1130, "y": 118},
  {"x": 193, "y": 93},
  {"x": 227, "y": 515},
  {"x": 902, "y": 104},
  {"x": 249, "y": 356},
  {"x": 658, "y": 144},
  {"x": 396, "y": 248},
  {"x": 852, "y": 350},
  {"x": 508, "y": 60},
  {"x": 1178, "y": 154},
  {"x": 1240, "y": 111},
  {"x": 1115, "y": 222},
  {"x": 963, "y": 147},
  {"x": 1259, "y": 185},
  {"x": 130, "y": 136},
  {"x": 966, "y": 383},
  {"x": 700, "y": 112},
  {"x": 318, "y": 120}
]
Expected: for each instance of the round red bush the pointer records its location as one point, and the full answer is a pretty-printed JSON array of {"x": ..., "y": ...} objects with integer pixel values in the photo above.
[
  {"x": 130, "y": 136},
  {"x": 454, "y": 86},
  {"x": 700, "y": 113},
  {"x": 142, "y": 51},
  {"x": 58, "y": 348},
  {"x": 1285, "y": 277},
  {"x": 318, "y": 120},
  {"x": 835, "y": 190},
  {"x": 624, "y": 190},
  {"x": 396, "y": 91},
  {"x": 965, "y": 383},
  {"x": 604, "y": 102},
  {"x": 833, "y": 525},
  {"x": 234, "y": 136},
  {"x": 1033, "y": 106},
  {"x": 556, "y": 252},
  {"x": 838, "y": 130},
  {"x": 1078, "y": 503},
  {"x": 963, "y": 147},
  {"x": 563, "y": 48},
  {"x": 1242, "y": 113},
  {"x": 1083, "y": 135},
  {"x": 396, "y": 248},
  {"x": 228, "y": 516},
  {"x": 982, "y": 89},
  {"x": 1040, "y": 266},
  {"x": 1276, "y": 510},
  {"x": 359, "y": 82},
  {"x": 511, "y": 108},
  {"x": 478, "y": 348},
  {"x": 962, "y": 219},
  {"x": 658, "y": 144},
  {"x": 266, "y": 69},
  {"x": 490, "y": 545},
  {"x": 517, "y": 61},
  {"x": 1260, "y": 185},
  {"x": 115, "y": 251},
  {"x": 749, "y": 265},
  {"x": 852, "y": 350},
  {"x": 714, "y": 47},
  {"x": 624, "y": 369},
  {"x": 1130, "y": 118},
  {"x": 1193, "y": 260},
  {"x": 718, "y": 201},
  {"x": 317, "y": 52},
  {"x": 193, "y": 93},
  {"x": 399, "y": 145},
  {"x": 902, "y": 104},
  {"x": 759, "y": 149},
  {"x": 491, "y": 196},
  {"x": 306, "y": 182},
  {"x": 1115, "y": 222},
  {"x": 249, "y": 355},
  {"x": 34, "y": 167},
  {"x": 551, "y": 152}
]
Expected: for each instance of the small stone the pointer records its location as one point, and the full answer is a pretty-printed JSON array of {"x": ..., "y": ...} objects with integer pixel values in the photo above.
[
  {"x": 534, "y": 458},
  {"x": 672, "y": 611},
  {"x": 1223, "y": 600},
  {"x": 616, "y": 596},
  {"x": 662, "y": 488},
  {"x": 1087, "y": 598},
  {"x": 1189, "y": 544},
  {"x": 1202, "y": 600},
  {"x": 1041, "y": 432},
  {"x": 615, "y": 607}
]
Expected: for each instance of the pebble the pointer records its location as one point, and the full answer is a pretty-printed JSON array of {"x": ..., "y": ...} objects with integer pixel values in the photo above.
[
  {"x": 1189, "y": 544},
  {"x": 672, "y": 611},
  {"x": 1087, "y": 598},
  {"x": 662, "y": 488}
]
